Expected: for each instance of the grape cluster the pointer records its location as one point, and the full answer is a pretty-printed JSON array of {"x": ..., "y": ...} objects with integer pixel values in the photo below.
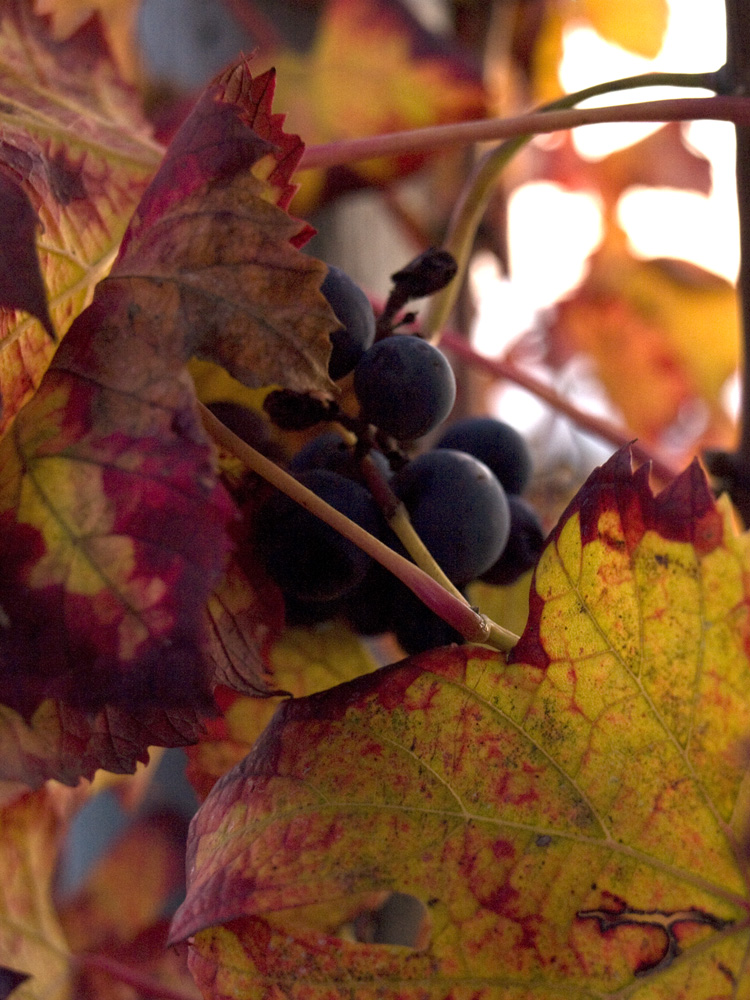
[{"x": 463, "y": 495}]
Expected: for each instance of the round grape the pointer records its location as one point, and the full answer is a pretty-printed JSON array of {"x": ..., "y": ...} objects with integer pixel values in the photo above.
[
  {"x": 416, "y": 627},
  {"x": 495, "y": 443},
  {"x": 330, "y": 451},
  {"x": 354, "y": 312},
  {"x": 405, "y": 386},
  {"x": 524, "y": 547},
  {"x": 306, "y": 557},
  {"x": 459, "y": 510}
]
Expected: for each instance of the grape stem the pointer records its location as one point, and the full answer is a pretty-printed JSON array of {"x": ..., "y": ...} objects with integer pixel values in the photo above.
[
  {"x": 437, "y": 137},
  {"x": 398, "y": 518},
  {"x": 472, "y": 625},
  {"x": 477, "y": 191},
  {"x": 400, "y": 523},
  {"x": 143, "y": 985}
]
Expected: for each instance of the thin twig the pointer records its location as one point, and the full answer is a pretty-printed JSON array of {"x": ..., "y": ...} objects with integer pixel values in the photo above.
[
  {"x": 737, "y": 82},
  {"x": 732, "y": 109},
  {"x": 602, "y": 428},
  {"x": 144, "y": 985}
]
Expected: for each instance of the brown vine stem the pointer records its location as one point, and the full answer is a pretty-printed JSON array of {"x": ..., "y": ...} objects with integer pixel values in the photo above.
[
  {"x": 602, "y": 428},
  {"x": 732, "y": 109},
  {"x": 738, "y": 82},
  {"x": 472, "y": 625},
  {"x": 143, "y": 985}
]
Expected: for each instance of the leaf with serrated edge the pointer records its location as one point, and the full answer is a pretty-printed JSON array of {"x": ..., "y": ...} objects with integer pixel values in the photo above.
[
  {"x": 373, "y": 68},
  {"x": 114, "y": 522},
  {"x": 76, "y": 142},
  {"x": 572, "y": 822},
  {"x": 241, "y": 293}
]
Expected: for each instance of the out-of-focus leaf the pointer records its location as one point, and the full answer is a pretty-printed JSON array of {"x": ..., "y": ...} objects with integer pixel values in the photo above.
[
  {"x": 75, "y": 142},
  {"x": 662, "y": 159},
  {"x": 653, "y": 320},
  {"x": 639, "y": 27},
  {"x": 372, "y": 69},
  {"x": 129, "y": 888},
  {"x": 302, "y": 661},
  {"x": 114, "y": 524},
  {"x": 119, "y": 18},
  {"x": 31, "y": 937},
  {"x": 572, "y": 821}
]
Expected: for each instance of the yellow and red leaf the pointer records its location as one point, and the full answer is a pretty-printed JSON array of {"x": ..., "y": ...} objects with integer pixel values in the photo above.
[
  {"x": 372, "y": 68},
  {"x": 82, "y": 163},
  {"x": 114, "y": 522},
  {"x": 573, "y": 821}
]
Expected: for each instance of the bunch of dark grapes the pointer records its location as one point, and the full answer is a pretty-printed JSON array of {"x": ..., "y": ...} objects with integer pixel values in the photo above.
[{"x": 463, "y": 496}]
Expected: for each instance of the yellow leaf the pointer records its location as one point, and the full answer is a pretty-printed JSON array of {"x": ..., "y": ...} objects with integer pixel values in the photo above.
[
  {"x": 638, "y": 26},
  {"x": 83, "y": 162},
  {"x": 302, "y": 661},
  {"x": 671, "y": 326},
  {"x": 120, "y": 22},
  {"x": 572, "y": 822},
  {"x": 372, "y": 69}
]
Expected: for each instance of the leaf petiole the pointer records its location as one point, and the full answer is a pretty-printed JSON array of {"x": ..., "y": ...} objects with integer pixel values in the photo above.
[{"x": 456, "y": 611}]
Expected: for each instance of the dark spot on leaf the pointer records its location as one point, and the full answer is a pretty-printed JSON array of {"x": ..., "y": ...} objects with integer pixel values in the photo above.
[
  {"x": 544, "y": 840},
  {"x": 66, "y": 181},
  {"x": 727, "y": 972},
  {"x": 398, "y": 921}
]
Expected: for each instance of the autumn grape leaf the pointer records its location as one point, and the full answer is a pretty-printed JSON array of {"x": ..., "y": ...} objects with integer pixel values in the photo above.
[
  {"x": 372, "y": 68},
  {"x": 76, "y": 144},
  {"x": 572, "y": 823},
  {"x": 640, "y": 28},
  {"x": 107, "y": 910},
  {"x": 653, "y": 319},
  {"x": 119, "y": 20},
  {"x": 302, "y": 661},
  {"x": 239, "y": 291},
  {"x": 32, "y": 940},
  {"x": 113, "y": 524}
]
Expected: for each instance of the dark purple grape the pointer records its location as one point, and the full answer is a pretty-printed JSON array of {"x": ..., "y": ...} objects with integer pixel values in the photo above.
[
  {"x": 330, "y": 451},
  {"x": 495, "y": 443},
  {"x": 405, "y": 386},
  {"x": 459, "y": 510},
  {"x": 368, "y": 607},
  {"x": 525, "y": 544},
  {"x": 307, "y": 558},
  {"x": 354, "y": 312},
  {"x": 247, "y": 425},
  {"x": 416, "y": 627}
]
